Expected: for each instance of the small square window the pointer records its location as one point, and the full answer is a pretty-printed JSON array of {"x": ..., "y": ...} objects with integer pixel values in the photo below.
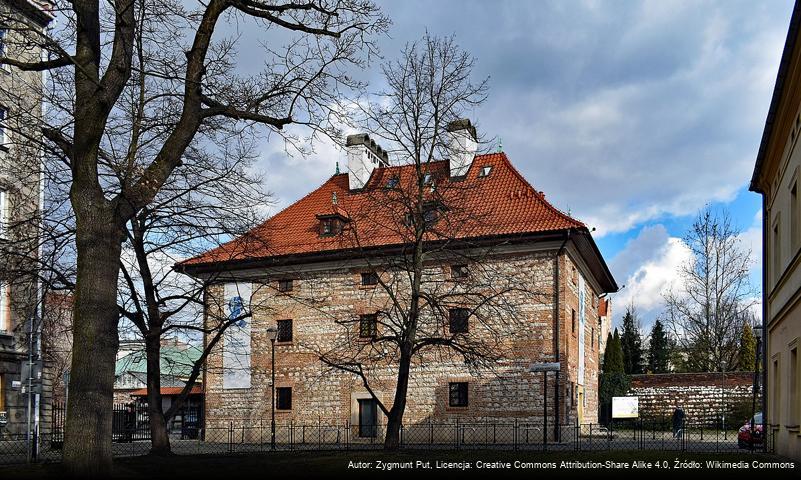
[
  {"x": 457, "y": 394},
  {"x": 285, "y": 285},
  {"x": 284, "y": 331},
  {"x": 427, "y": 178},
  {"x": 458, "y": 320},
  {"x": 369, "y": 279},
  {"x": 283, "y": 398},
  {"x": 368, "y": 326},
  {"x": 329, "y": 227},
  {"x": 458, "y": 271},
  {"x": 485, "y": 171}
]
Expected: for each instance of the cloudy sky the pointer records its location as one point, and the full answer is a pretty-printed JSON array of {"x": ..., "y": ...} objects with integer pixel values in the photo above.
[{"x": 630, "y": 115}]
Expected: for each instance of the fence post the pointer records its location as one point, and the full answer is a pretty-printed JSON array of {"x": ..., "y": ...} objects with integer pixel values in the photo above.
[
  {"x": 230, "y": 436},
  {"x": 514, "y": 434},
  {"x": 347, "y": 434},
  {"x": 577, "y": 440},
  {"x": 400, "y": 435},
  {"x": 457, "y": 433}
]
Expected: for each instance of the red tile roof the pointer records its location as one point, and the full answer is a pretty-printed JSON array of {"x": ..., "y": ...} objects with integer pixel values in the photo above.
[
  {"x": 196, "y": 390},
  {"x": 503, "y": 202}
]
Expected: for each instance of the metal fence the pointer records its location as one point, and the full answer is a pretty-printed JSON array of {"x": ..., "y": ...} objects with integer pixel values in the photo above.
[{"x": 234, "y": 438}]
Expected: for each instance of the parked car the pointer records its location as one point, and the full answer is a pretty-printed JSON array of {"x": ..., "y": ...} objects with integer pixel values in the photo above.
[{"x": 747, "y": 438}]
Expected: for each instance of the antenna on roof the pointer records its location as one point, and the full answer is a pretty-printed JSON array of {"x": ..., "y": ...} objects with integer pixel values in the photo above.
[
  {"x": 500, "y": 144},
  {"x": 337, "y": 172}
]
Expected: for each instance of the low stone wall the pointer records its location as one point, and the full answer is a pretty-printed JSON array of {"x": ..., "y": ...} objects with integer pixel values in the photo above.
[{"x": 705, "y": 397}]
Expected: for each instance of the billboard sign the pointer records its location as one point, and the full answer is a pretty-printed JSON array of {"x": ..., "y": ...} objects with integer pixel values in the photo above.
[{"x": 625, "y": 407}]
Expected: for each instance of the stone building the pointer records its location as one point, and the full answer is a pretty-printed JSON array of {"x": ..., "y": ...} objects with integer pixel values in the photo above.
[
  {"x": 20, "y": 114},
  {"x": 305, "y": 272},
  {"x": 776, "y": 177}
]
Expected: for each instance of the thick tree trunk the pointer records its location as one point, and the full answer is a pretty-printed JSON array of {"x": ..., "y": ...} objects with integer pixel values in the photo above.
[
  {"x": 395, "y": 416},
  {"x": 87, "y": 442},
  {"x": 159, "y": 437}
]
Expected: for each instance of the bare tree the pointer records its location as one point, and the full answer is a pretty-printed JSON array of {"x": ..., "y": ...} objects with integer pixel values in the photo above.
[
  {"x": 425, "y": 311},
  {"x": 707, "y": 312},
  {"x": 205, "y": 201},
  {"x": 120, "y": 151}
]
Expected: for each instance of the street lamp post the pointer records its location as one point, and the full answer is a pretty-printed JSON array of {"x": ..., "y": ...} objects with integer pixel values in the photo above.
[
  {"x": 272, "y": 333},
  {"x": 758, "y": 334}
]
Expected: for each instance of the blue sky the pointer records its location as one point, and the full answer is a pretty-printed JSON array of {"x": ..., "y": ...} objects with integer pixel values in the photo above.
[{"x": 631, "y": 115}]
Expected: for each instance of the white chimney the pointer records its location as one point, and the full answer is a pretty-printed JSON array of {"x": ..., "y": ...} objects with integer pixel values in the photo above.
[
  {"x": 364, "y": 155},
  {"x": 462, "y": 143}
]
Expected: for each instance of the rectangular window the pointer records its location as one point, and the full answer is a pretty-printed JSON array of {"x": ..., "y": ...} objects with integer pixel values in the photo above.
[
  {"x": 285, "y": 285},
  {"x": 793, "y": 387},
  {"x": 458, "y": 320},
  {"x": 368, "y": 326},
  {"x": 329, "y": 227},
  {"x": 777, "y": 251},
  {"x": 457, "y": 394},
  {"x": 5, "y": 310},
  {"x": 775, "y": 415},
  {"x": 3, "y": 213},
  {"x": 3, "y": 115},
  {"x": 458, "y": 271},
  {"x": 369, "y": 279},
  {"x": 284, "y": 331},
  {"x": 573, "y": 319},
  {"x": 283, "y": 398},
  {"x": 795, "y": 221},
  {"x": 3, "y": 33}
]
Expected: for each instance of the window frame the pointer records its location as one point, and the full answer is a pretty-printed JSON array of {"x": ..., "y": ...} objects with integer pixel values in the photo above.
[
  {"x": 278, "y": 337},
  {"x": 453, "y": 328},
  {"x": 458, "y": 394},
  {"x": 278, "y": 398},
  {"x": 282, "y": 285},
  {"x": 369, "y": 320},
  {"x": 4, "y": 211},
  {"x": 365, "y": 276},
  {"x": 485, "y": 171},
  {"x": 459, "y": 271},
  {"x": 5, "y": 309}
]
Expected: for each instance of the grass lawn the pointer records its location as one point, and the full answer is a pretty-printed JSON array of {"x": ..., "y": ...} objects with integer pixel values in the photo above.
[{"x": 307, "y": 464}]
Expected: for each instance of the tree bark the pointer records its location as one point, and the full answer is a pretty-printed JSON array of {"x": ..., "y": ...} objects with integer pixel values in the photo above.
[
  {"x": 159, "y": 436},
  {"x": 87, "y": 442},
  {"x": 395, "y": 417}
]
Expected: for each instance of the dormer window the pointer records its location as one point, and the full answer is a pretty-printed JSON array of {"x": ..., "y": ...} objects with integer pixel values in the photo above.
[
  {"x": 331, "y": 224},
  {"x": 427, "y": 178},
  {"x": 485, "y": 171},
  {"x": 392, "y": 182}
]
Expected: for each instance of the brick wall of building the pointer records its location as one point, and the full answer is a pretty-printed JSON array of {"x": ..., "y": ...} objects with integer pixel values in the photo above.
[
  {"x": 322, "y": 395},
  {"x": 705, "y": 397}
]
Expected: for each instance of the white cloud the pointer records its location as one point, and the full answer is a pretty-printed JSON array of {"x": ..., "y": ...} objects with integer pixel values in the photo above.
[{"x": 650, "y": 265}]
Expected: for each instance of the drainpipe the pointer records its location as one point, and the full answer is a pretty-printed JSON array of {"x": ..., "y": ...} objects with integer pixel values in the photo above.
[
  {"x": 557, "y": 310},
  {"x": 764, "y": 323}
]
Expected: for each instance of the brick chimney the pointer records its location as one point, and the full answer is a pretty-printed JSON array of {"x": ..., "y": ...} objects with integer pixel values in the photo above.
[
  {"x": 364, "y": 155},
  {"x": 462, "y": 144}
]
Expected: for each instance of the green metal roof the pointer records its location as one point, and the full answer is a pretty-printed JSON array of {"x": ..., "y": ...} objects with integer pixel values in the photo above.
[{"x": 175, "y": 360}]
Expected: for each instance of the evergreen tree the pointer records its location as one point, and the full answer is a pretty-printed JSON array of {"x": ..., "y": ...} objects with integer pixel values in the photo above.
[
  {"x": 747, "y": 354},
  {"x": 614, "y": 382},
  {"x": 659, "y": 349},
  {"x": 631, "y": 343}
]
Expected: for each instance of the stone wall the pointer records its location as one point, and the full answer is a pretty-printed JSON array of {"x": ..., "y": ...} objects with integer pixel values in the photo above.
[
  {"x": 320, "y": 394},
  {"x": 705, "y": 397}
]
